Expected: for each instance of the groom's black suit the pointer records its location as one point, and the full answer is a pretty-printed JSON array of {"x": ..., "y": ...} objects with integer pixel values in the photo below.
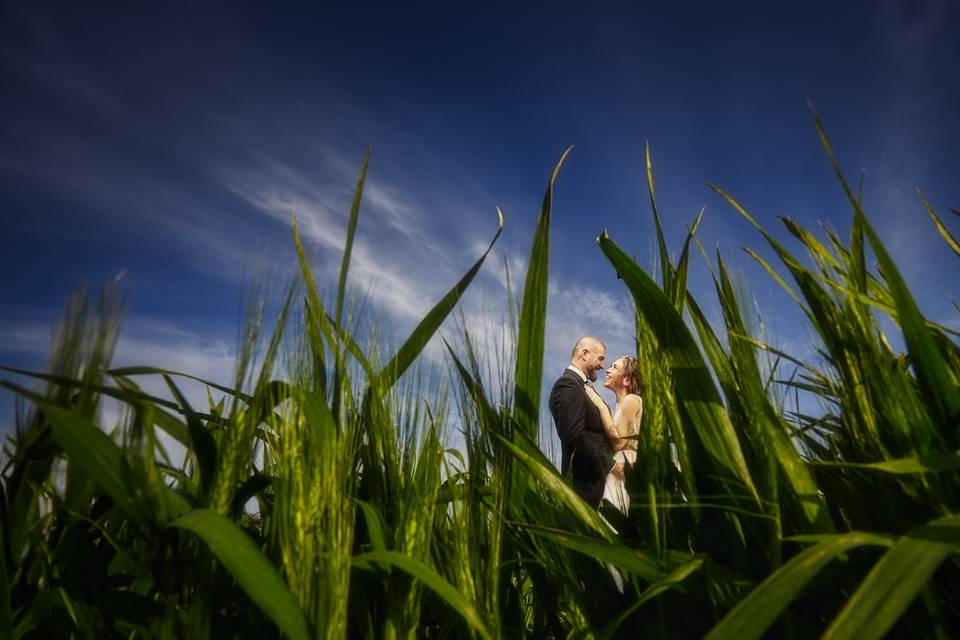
[{"x": 587, "y": 451}]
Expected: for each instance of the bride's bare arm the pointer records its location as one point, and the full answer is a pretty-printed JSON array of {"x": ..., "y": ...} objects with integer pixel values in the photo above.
[
  {"x": 630, "y": 412},
  {"x": 614, "y": 430},
  {"x": 611, "y": 427}
]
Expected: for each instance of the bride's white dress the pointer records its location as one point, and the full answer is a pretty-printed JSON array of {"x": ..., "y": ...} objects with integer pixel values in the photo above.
[{"x": 615, "y": 490}]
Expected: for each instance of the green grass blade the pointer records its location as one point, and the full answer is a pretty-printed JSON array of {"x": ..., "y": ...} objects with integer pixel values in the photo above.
[
  {"x": 763, "y": 416},
  {"x": 895, "y": 580},
  {"x": 776, "y": 276},
  {"x": 683, "y": 265},
  {"x": 417, "y": 340},
  {"x": 941, "y": 397},
  {"x": 203, "y": 446},
  {"x": 378, "y": 539},
  {"x": 94, "y": 453},
  {"x": 487, "y": 413},
  {"x": 248, "y": 489},
  {"x": 817, "y": 250},
  {"x": 139, "y": 371},
  {"x": 127, "y": 395},
  {"x": 533, "y": 318},
  {"x": 249, "y": 567},
  {"x": 645, "y": 565},
  {"x": 665, "y": 266},
  {"x": 351, "y": 231},
  {"x": 429, "y": 578},
  {"x": 6, "y": 605},
  {"x": 544, "y": 472},
  {"x": 354, "y": 349},
  {"x": 761, "y": 607},
  {"x": 933, "y": 463},
  {"x": 852, "y": 294},
  {"x": 674, "y": 579},
  {"x": 315, "y": 307},
  {"x": 858, "y": 260},
  {"x": 941, "y": 228},
  {"x": 99, "y": 458},
  {"x": 695, "y": 390}
]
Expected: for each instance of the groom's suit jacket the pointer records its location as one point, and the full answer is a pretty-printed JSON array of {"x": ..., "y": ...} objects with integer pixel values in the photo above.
[{"x": 587, "y": 452}]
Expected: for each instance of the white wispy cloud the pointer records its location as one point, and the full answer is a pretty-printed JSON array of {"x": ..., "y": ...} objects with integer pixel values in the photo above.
[{"x": 24, "y": 337}]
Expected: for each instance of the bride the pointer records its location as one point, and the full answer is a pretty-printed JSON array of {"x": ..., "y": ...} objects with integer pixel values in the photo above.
[{"x": 623, "y": 426}]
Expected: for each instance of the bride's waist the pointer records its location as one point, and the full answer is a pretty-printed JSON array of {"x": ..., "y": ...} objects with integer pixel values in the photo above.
[{"x": 625, "y": 455}]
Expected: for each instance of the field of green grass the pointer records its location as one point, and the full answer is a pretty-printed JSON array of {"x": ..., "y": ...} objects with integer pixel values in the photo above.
[{"x": 317, "y": 499}]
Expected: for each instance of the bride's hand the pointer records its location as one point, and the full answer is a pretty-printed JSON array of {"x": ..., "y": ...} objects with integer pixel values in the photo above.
[{"x": 595, "y": 398}]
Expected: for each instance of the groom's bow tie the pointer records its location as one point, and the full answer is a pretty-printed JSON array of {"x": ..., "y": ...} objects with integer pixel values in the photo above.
[{"x": 587, "y": 383}]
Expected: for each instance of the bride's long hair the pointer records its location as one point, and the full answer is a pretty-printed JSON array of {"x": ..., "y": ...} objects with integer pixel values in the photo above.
[{"x": 630, "y": 373}]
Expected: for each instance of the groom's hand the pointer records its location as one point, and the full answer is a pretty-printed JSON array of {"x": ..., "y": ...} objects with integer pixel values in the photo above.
[{"x": 618, "y": 471}]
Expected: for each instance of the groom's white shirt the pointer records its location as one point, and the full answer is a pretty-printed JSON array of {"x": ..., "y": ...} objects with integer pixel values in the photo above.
[{"x": 578, "y": 372}]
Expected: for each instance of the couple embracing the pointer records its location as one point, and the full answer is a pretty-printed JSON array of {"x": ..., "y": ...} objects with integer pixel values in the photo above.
[{"x": 598, "y": 446}]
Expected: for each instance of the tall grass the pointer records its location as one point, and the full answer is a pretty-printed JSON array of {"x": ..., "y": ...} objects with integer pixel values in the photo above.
[{"x": 316, "y": 498}]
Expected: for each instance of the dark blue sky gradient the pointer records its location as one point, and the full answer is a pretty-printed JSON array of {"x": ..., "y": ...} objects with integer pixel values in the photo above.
[{"x": 171, "y": 142}]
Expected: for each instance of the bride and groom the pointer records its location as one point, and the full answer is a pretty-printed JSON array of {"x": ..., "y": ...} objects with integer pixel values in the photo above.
[{"x": 597, "y": 446}]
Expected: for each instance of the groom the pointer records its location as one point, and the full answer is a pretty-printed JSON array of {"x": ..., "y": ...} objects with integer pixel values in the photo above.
[{"x": 587, "y": 451}]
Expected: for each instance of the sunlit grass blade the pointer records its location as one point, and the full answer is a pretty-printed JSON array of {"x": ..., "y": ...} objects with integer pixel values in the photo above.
[
  {"x": 754, "y": 614},
  {"x": 355, "y": 350},
  {"x": 777, "y": 277},
  {"x": 941, "y": 228},
  {"x": 646, "y": 565},
  {"x": 763, "y": 416},
  {"x": 249, "y": 567},
  {"x": 533, "y": 317},
  {"x": 819, "y": 306},
  {"x": 683, "y": 264},
  {"x": 670, "y": 581},
  {"x": 895, "y": 580},
  {"x": 102, "y": 460},
  {"x": 139, "y": 371},
  {"x": 665, "y": 266},
  {"x": 942, "y": 397},
  {"x": 546, "y": 474},
  {"x": 204, "y": 446},
  {"x": 375, "y": 527},
  {"x": 858, "y": 260},
  {"x": 429, "y": 578},
  {"x": 418, "y": 339},
  {"x": 695, "y": 390},
  {"x": 315, "y": 311},
  {"x": 351, "y": 231},
  {"x": 852, "y": 294},
  {"x": 934, "y": 463},
  {"x": 818, "y": 251},
  {"x": 89, "y": 448},
  {"x": 164, "y": 420}
]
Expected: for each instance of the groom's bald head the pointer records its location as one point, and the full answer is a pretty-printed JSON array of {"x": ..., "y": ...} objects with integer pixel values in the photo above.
[
  {"x": 588, "y": 355},
  {"x": 587, "y": 342}
]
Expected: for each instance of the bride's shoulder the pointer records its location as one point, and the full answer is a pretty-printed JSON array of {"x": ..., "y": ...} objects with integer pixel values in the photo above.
[{"x": 632, "y": 401}]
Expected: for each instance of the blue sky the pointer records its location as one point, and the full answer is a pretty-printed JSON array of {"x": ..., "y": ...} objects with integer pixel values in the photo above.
[{"x": 171, "y": 144}]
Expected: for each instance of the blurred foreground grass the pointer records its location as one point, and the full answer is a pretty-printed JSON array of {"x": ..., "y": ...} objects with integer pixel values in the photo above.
[{"x": 748, "y": 520}]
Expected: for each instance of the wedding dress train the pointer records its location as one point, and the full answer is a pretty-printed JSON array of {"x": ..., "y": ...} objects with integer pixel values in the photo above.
[{"x": 615, "y": 489}]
